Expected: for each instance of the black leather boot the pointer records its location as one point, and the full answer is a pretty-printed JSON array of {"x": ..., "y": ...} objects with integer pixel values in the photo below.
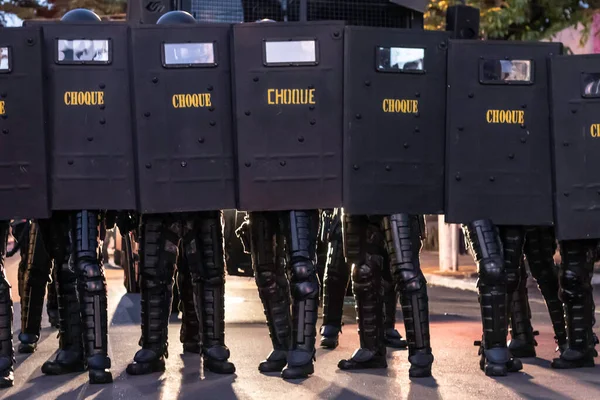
[
  {"x": 158, "y": 257},
  {"x": 300, "y": 229},
  {"x": 484, "y": 241},
  {"x": 273, "y": 288},
  {"x": 91, "y": 286}
]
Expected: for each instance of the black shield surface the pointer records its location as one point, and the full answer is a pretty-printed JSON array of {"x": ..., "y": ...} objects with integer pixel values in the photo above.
[
  {"x": 289, "y": 118},
  {"x": 183, "y": 120},
  {"x": 575, "y": 88},
  {"x": 23, "y": 170},
  {"x": 498, "y": 134},
  {"x": 394, "y": 121},
  {"x": 89, "y": 112}
]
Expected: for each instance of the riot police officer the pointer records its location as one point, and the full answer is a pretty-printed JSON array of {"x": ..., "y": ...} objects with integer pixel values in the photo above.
[
  {"x": 201, "y": 235},
  {"x": 73, "y": 237},
  {"x": 335, "y": 282},
  {"x": 365, "y": 238}
]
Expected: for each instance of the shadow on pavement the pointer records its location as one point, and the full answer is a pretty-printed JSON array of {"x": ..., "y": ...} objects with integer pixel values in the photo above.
[
  {"x": 423, "y": 388},
  {"x": 521, "y": 383}
]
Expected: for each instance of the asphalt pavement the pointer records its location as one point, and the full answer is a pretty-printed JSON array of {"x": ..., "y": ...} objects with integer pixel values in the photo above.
[{"x": 456, "y": 374}]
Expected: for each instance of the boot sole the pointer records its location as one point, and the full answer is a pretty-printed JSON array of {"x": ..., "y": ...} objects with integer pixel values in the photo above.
[{"x": 300, "y": 372}]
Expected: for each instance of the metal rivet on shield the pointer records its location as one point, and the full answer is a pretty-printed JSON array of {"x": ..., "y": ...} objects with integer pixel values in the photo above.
[
  {"x": 457, "y": 177},
  {"x": 566, "y": 194},
  {"x": 211, "y": 109},
  {"x": 210, "y": 88},
  {"x": 155, "y": 80},
  {"x": 355, "y": 167},
  {"x": 148, "y": 166},
  {"x": 90, "y": 139},
  {"x": 492, "y": 179},
  {"x": 418, "y": 94},
  {"x": 102, "y": 86},
  {"x": 523, "y": 106},
  {"x": 417, "y": 114},
  {"x": 511, "y": 156},
  {"x": 282, "y": 163},
  {"x": 523, "y": 126},
  {"x": 212, "y": 123},
  {"x": 184, "y": 164},
  {"x": 301, "y": 139},
  {"x": 336, "y": 34},
  {"x": 311, "y": 108},
  {"x": 312, "y": 122},
  {"x": 4, "y": 94},
  {"x": 30, "y": 41},
  {"x": 201, "y": 140},
  {"x": 311, "y": 86},
  {"x": 388, "y": 168},
  {"x": 523, "y": 140},
  {"x": 5, "y": 131},
  {"x": 102, "y": 121},
  {"x": 247, "y": 164},
  {"x": 367, "y": 83},
  {"x": 147, "y": 114},
  {"x": 255, "y": 79},
  {"x": 471, "y": 95},
  {"x": 406, "y": 145},
  {"x": 574, "y": 111},
  {"x": 247, "y": 113},
  {"x": 102, "y": 106},
  {"x": 461, "y": 128},
  {"x": 566, "y": 144},
  {"x": 70, "y": 162},
  {"x": 417, "y": 129},
  {"x": 358, "y": 116},
  {"x": 5, "y": 116}
]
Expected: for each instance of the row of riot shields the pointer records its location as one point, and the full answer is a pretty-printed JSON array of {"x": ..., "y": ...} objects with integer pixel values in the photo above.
[{"x": 297, "y": 116}]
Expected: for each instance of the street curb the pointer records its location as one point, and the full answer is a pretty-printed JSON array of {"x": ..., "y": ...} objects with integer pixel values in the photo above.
[{"x": 470, "y": 284}]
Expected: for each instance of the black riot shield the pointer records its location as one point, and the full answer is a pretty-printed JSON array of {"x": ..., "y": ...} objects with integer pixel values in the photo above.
[
  {"x": 23, "y": 171},
  {"x": 183, "y": 117},
  {"x": 288, "y": 90},
  {"x": 87, "y": 66},
  {"x": 394, "y": 121},
  {"x": 575, "y": 105},
  {"x": 498, "y": 133}
]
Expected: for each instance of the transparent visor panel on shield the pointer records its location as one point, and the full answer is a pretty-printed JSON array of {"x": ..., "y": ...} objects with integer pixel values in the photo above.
[
  {"x": 186, "y": 54},
  {"x": 400, "y": 59},
  {"x": 291, "y": 52},
  {"x": 590, "y": 83},
  {"x": 83, "y": 51},
  {"x": 506, "y": 71},
  {"x": 4, "y": 59}
]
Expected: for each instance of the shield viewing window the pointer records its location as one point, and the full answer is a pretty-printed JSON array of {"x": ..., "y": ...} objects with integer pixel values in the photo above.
[
  {"x": 590, "y": 84},
  {"x": 83, "y": 51},
  {"x": 182, "y": 55},
  {"x": 290, "y": 52},
  {"x": 400, "y": 59},
  {"x": 5, "y": 60},
  {"x": 506, "y": 72}
]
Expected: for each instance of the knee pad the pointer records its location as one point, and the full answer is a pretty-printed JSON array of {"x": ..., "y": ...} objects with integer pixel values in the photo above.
[
  {"x": 491, "y": 271},
  {"x": 573, "y": 287},
  {"x": 412, "y": 281},
  {"x": 362, "y": 278}
]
